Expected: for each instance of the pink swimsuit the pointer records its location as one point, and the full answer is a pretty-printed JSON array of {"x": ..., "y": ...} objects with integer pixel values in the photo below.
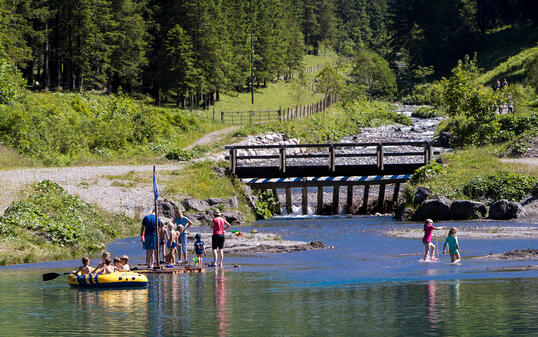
[{"x": 428, "y": 229}]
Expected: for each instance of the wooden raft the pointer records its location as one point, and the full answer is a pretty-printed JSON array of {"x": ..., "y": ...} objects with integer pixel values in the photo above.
[{"x": 174, "y": 270}]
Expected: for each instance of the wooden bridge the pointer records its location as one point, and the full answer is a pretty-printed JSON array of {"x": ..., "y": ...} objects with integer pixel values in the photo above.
[{"x": 337, "y": 165}]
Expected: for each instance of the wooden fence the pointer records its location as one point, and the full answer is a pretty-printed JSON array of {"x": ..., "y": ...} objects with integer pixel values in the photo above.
[{"x": 268, "y": 116}]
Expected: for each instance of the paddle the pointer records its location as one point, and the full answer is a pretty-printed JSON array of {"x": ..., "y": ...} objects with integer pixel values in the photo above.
[{"x": 52, "y": 276}]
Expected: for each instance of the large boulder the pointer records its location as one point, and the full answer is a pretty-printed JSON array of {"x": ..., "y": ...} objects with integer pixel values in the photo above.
[
  {"x": 445, "y": 139},
  {"x": 202, "y": 218},
  {"x": 434, "y": 208},
  {"x": 505, "y": 210},
  {"x": 403, "y": 213},
  {"x": 192, "y": 204},
  {"x": 215, "y": 201},
  {"x": 422, "y": 193},
  {"x": 467, "y": 209},
  {"x": 233, "y": 217},
  {"x": 166, "y": 208},
  {"x": 233, "y": 202}
]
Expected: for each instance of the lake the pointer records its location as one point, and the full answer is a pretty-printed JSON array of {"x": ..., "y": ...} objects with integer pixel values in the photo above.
[{"x": 368, "y": 285}]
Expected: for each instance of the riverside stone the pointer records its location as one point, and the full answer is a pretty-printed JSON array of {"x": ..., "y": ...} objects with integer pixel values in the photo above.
[
  {"x": 233, "y": 217},
  {"x": 467, "y": 209},
  {"x": 505, "y": 210},
  {"x": 437, "y": 207},
  {"x": 422, "y": 193},
  {"x": 195, "y": 204}
]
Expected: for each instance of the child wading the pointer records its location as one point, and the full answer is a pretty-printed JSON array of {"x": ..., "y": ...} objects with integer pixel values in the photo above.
[
  {"x": 453, "y": 245},
  {"x": 199, "y": 249},
  {"x": 429, "y": 247}
]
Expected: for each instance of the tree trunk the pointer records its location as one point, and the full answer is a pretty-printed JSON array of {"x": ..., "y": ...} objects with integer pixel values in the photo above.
[{"x": 45, "y": 79}]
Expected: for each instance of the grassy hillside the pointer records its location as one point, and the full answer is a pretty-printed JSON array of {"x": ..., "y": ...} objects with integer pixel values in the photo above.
[
  {"x": 51, "y": 224},
  {"x": 336, "y": 123},
  {"x": 504, "y": 52}
]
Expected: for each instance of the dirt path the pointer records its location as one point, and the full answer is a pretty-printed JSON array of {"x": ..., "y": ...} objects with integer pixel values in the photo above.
[
  {"x": 525, "y": 161},
  {"x": 95, "y": 184},
  {"x": 212, "y": 137}
]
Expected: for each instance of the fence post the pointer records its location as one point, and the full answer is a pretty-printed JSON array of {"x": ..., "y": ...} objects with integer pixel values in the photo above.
[
  {"x": 280, "y": 113},
  {"x": 222, "y": 117},
  {"x": 296, "y": 110},
  {"x": 282, "y": 159},
  {"x": 213, "y": 114}
]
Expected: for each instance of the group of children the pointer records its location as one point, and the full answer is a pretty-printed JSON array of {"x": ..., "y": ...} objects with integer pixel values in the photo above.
[
  {"x": 175, "y": 241},
  {"x": 451, "y": 241},
  {"x": 106, "y": 266}
]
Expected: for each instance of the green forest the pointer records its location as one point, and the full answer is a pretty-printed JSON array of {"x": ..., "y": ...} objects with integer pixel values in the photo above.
[{"x": 190, "y": 51}]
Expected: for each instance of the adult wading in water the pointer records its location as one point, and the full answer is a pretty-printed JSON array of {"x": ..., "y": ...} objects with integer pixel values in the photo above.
[
  {"x": 220, "y": 225},
  {"x": 148, "y": 233}
]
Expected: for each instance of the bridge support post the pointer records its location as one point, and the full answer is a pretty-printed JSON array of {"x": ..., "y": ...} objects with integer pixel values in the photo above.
[
  {"x": 320, "y": 199},
  {"x": 275, "y": 193},
  {"x": 282, "y": 159},
  {"x": 349, "y": 198},
  {"x": 289, "y": 210},
  {"x": 395, "y": 194},
  {"x": 365, "y": 197},
  {"x": 336, "y": 199},
  {"x": 381, "y": 199},
  {"x": 380, "y": 165},
  {"x": 233, "y": 159},
  {"x": 305, "y": 200}
]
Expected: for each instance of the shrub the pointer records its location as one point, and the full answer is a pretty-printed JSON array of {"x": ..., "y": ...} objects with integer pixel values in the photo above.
[
  {"x": 11, "y": 82},
  {"x": 427, "y": 171},
  {"x": 372, "y": 73},
  {"x": 52, "y": 215},
  {"x": 425, "y": 112},
  {"x": 266, "y": 204},
  {"x": 501, "y": 185},
  {"x": 178, "y": 155}
]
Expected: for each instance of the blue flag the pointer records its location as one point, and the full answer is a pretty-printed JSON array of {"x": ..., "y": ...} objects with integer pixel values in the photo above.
[{"x": 155, "y": 188}]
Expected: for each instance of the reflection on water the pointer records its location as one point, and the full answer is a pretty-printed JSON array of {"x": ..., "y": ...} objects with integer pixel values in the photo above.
[{"x": 369, "y": 285}]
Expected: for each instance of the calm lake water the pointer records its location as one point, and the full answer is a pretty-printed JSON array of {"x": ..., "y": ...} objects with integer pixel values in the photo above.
[{"x": 368, "y": 285}]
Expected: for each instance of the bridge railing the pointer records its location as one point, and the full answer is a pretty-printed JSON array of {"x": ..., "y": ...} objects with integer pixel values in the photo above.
[{"x": 330, "y": 154}]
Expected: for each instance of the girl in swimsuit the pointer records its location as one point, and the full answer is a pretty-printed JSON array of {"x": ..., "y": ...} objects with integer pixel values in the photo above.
[{"x": 429, "y": 247}]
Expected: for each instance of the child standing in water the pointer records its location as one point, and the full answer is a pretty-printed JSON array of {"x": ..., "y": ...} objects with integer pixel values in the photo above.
[
  {"x": 453, "y": 245},
  {"x": 199, "y": 249},
  {"x": 429, "y": 247}
]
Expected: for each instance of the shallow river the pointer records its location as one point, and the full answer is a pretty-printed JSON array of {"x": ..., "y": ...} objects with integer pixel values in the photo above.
[{"x": 369, "y": 284}]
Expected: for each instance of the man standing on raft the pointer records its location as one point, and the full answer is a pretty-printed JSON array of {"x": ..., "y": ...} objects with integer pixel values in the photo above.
[
  {"x": 220, "y": 225},
  {"x": 148, "y": 233}
]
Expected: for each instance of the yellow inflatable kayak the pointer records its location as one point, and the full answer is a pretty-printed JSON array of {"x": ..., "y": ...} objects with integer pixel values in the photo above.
[{"x": 114, "y": 280}]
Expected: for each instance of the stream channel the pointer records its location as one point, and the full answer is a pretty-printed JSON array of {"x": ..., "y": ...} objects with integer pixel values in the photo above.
[{"x": 370, "y": 284}]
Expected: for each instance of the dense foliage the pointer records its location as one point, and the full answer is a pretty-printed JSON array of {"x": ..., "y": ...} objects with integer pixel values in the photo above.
[
  {"x": 50, "y": 215},
  {"x": 181, "y": 50},
  {"x": 266, "y": 204},
  {"x": 58, "y": 129},
  {"x": 501, "y": 185}
]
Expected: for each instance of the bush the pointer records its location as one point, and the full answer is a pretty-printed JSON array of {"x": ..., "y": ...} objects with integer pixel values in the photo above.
[
  {"x": 51, "y": 215},
  {"x": 427, "y": 171},
  {"x": 179, "y": 155},
  {"x": 429, "y": 94},
  {"x": 11, "y": 82},
  {"x": 59, "y": 128},
  {"x": 501, "y": 185},
  {"x": 266, "y": 204},
  {"x": 372, "y": 73},
  {"x": 425, "y": 112}
]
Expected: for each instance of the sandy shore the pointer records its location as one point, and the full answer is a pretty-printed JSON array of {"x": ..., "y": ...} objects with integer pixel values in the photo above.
[
  {"x": 258, "y": 243},
  {"x": 471, "y": 232}
]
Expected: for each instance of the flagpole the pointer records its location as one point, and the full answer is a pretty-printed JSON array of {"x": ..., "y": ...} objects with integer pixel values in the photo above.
[{"x": 157, "y": 223}]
